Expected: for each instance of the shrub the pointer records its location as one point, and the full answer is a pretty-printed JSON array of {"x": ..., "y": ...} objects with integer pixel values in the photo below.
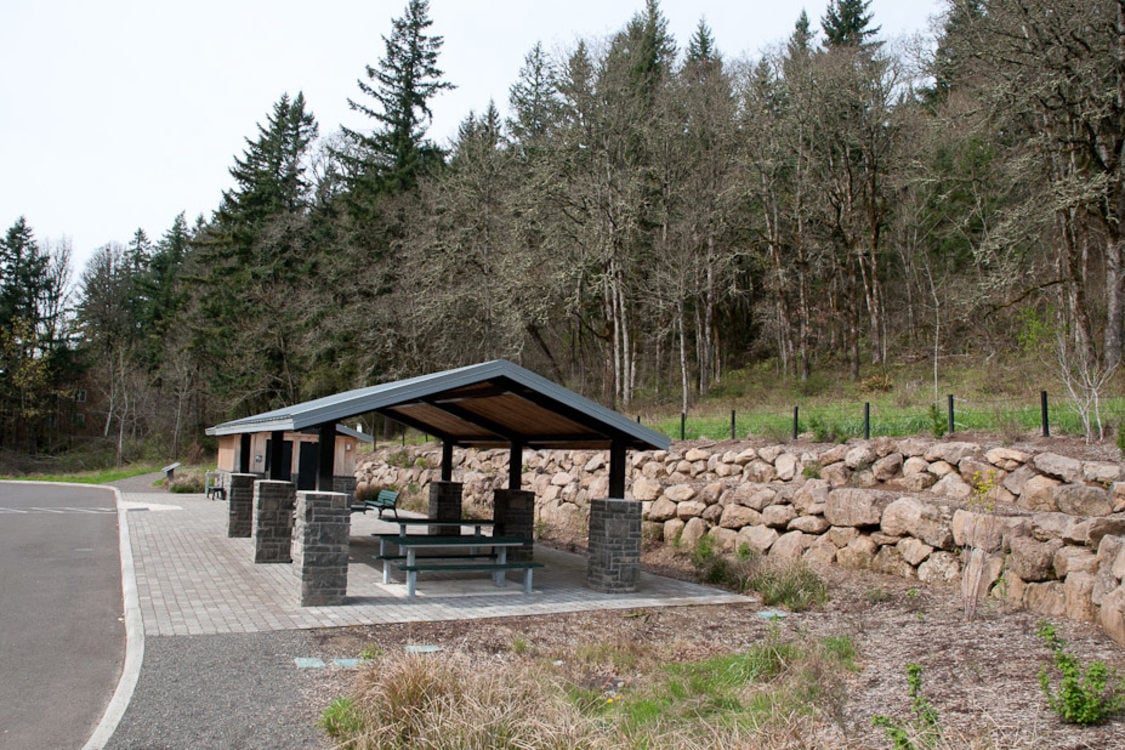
[
  {"x": 1083, "y": 696},
  {"x": 341, "y": 719},
  {"x": 189, "y": 482},
  {"x": 938, "y": 422}
]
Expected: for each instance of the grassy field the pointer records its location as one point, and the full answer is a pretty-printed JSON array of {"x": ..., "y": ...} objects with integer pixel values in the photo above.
[
  {"x": 101, "y": 476},
  {"x": 1003, "y": 397}
]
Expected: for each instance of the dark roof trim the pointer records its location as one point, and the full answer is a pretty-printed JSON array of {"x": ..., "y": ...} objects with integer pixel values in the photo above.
[{"x": 603, "y": 423}]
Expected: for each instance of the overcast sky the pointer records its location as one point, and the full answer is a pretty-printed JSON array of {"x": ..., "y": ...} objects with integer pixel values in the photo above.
[{"x": 119, "y": 114}]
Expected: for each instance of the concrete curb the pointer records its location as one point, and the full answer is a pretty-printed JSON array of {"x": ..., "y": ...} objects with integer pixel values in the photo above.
[{"x": 134, "y": 636}]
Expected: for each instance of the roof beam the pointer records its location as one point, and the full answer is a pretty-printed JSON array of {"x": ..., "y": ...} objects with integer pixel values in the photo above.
[{"x": 475, "y": 419}]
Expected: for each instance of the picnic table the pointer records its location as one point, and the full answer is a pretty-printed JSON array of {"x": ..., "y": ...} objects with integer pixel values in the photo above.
[{"x": 407, "y": 560}]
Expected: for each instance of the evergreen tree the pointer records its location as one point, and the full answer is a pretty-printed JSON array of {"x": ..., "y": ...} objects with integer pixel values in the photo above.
[
  {"x": 394, "y": 155},
  {"x": 800, "y": 41},
  {"x": 534, "y": 97},
  {"x": 846, "y": 23},
  {"x": 23, "y": 275}
]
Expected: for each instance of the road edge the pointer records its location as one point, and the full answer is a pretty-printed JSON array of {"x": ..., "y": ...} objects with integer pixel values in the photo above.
[{"x": 134, "y": 635}]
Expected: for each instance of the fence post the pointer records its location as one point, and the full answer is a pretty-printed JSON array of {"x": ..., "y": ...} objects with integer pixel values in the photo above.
[
  {"x": 732, "y": 424},
  {"x": 683, "y": 425},
  {"x": 796, "y": 412},
  {"x": 866, "y": 420},
  {"x": 1043, "y": 411},
  {"x": 950, "y": 412}
]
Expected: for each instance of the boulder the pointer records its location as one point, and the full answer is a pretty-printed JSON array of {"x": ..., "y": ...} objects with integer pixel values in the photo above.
[
  {"x": 746, "y": 456},
  {"x": 696, "y": 454},
  {"x": 1069, "y": 560},
  {"x": 1007, "y": 459},
  {"x": 940, "y": 566},
  {"x": 770, "y": 453},
  {"x": 778, "y": 516},
  {"x": 661, "y": 509},
  {"x": 1083, "y": 500},
  {"x": 759, "y": 471},
  {"x": 693, "y": 531},
  {"x": 842, "y": 536},
  {"x": 980, "y": 572},
  {"x": 760, "y": 538},
  {"x": 1046, "y": 526},
  {"x": 1032, "y": 560},
  {"x": 790, "y": 546},
  {"x": 941, "y": 468},
  {"x": 672, "y": 531},
  {"x": 712, "y": 514},
  {"x": 859, "y": 553},
  {"x": 710, "y": 493},
  {"x": 952, "y": 485},
  {"x": 908, "y": 516},
  {"x": 887, "y": 467},
  {"x": 690, "y": 509},
  {"x": 915, "y": 465},
  {"x": 1016, "y": 480},
  {"x": 1060, "y": 467},
  {"x": 786, "y": 466},
  {"x": 646, "y": 489},
  {"x": 856, "y": 507},
  {"x": 860, "y": 457},
  {"x": 989, "y": 532},
  {"x": 914, "y": 551},
  {"x": 837, "y": 475},
  {"x": 951, "y": 452},
  {"x": 809, "y": 525},
  {"x": 1102, "y": 472},
  {"x": 1112, "y": 615},
  {"x": 890, "y": 561},
  {"x": 917, "y": 482},
  {"x": 821, "y": 552},
  {"x": 678, "y": 493},
  {"x": 811, "y": 497},
  {"x": 1046, "y": 598},
  {"x": 1038, "y": 494},
  {"x": 738, "y": 516},
  {"x": 1117, "y": 496},
  {"x": 726, "y": 540},
  {"x": 1077, "y": 591}
]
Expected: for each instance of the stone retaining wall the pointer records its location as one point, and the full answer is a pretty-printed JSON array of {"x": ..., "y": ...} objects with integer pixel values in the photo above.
[{"x": 1036, "y": 528}]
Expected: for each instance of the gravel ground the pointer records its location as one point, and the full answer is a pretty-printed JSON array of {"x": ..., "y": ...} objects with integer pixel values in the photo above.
[{"x": 226, "y": 691}]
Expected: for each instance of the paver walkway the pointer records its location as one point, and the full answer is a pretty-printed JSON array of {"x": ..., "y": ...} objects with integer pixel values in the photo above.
[{"x": 193, "y": 580}]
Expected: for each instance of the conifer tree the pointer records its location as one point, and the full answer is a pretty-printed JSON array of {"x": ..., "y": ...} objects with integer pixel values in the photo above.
[
  {"x": 846, "y": 23},
  {"x": 400, "y": 87},
  {"x": 534, "y": 97}
]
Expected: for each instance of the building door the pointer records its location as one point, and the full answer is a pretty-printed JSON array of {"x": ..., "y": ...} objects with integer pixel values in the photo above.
[{"x": 306, "y": 466}]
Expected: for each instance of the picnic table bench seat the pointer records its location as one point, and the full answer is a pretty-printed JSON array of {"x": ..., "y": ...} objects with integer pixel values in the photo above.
[{"x": 497, "y": 568}]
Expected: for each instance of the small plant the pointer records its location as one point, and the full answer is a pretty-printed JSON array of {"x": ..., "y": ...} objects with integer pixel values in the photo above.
[
  {"x": 795, "y": 586},
  {"x": 703, "y": 552},
  {"x": 937, "y": 421},
  {"x": 881, "y": 383},
  {"x": 341, "y": 719},
  {"x": 812, "y": 470},
  {"x": 371, "y": 652},
  {"x": 877, "y": 595},
  {"x": 1082, "y": 696},
  {"x": 982, "y": 497},
  {"x": 519, "y": 645},
  {"x": 925, "y": 727}
]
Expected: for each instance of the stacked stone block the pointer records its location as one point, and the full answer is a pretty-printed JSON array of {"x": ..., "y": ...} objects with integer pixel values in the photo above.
[
  {"x": 445, "y": 504},
  {"x": 514, "y": 513},
  {"x": 615, "y": 546},
  {"x": 320, "y": 547},
  {"x": 240, "y": 505},
  {"x": 273, "y": 520}
]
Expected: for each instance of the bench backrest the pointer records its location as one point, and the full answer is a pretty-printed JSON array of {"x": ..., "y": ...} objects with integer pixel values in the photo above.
[{"x": 387, "y": 496}]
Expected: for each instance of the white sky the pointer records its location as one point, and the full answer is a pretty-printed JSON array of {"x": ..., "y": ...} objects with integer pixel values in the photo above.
[{"x": 119, "y": 114}]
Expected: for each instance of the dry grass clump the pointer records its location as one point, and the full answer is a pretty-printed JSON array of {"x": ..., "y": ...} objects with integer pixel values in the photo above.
[{"x": 774, "y": 694}]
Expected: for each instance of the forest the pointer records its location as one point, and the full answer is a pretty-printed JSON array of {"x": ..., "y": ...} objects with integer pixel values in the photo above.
[{"x": 652, "y": 214}]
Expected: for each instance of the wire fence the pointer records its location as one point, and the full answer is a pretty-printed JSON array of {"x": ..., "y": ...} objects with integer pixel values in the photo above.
[{"x": 839, "y": 421}]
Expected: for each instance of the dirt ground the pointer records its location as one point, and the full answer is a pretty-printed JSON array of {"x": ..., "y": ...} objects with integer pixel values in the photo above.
[{"x": 980, "y": 674}]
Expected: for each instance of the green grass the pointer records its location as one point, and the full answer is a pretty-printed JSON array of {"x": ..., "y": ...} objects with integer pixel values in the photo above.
[
  {"x": 103, "y": 476},
  {"x": 996, "y": 399}
]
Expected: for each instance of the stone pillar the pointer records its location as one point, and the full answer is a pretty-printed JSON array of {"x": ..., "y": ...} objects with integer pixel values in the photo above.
[
  {"x": 515, "y": 516},
  {"x": 320, "y": 547},
  {"x": 344, "y": 484},
  {"x": 445, "y": 504},
  {"x": 273, "y": 520},
  {"x": 615, "y": 546},
  {"x": 240, "y": 505}
]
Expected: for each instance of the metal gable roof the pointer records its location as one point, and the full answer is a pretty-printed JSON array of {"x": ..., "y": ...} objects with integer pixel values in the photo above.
[{"x": 491, "y": 404}]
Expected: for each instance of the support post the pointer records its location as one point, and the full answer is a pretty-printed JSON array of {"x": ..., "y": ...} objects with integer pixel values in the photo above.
[
  {"x": 615, "y": 545},
  {"x": 617, "y": 469},
  {"x": 1043, "y": 411},
  {"x": 446, "y": 461},
  {"x": 320, "y": 547},
  {"x": 445, "y": 505},
  {"x": 951, "y": 412},
  {"x": 325, "y": 457},
  {"x": 514, "y": 513},
  {"x": 796, "y": 416},
  {"x": 515, "y": 467},
  {"x": 240, "y": 505},
  {"x": 866, "y": 420},
  {"x": 273, "y": 520}
]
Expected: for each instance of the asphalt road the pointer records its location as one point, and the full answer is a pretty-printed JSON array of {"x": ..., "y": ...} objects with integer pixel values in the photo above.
[{"x": 62, "y": 639}]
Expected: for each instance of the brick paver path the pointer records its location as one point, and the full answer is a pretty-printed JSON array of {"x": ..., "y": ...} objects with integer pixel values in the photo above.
[{"x": 193, "y": 579}]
